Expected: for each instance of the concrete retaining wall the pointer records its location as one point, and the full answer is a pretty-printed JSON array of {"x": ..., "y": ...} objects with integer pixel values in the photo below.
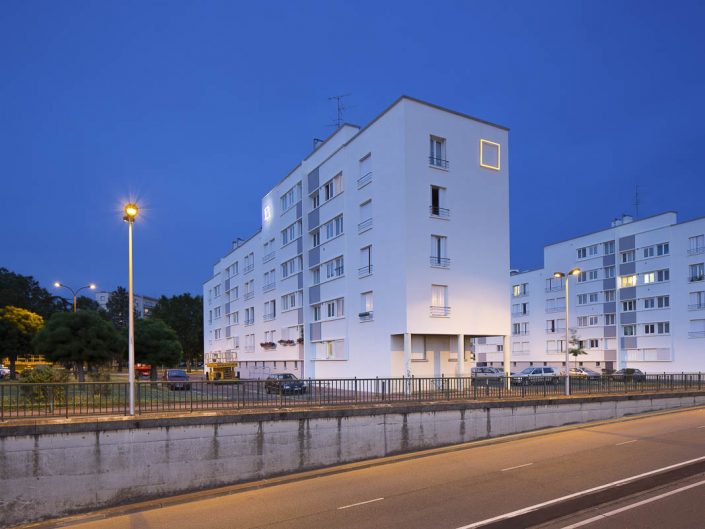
[{"x": 49, "y": 470}]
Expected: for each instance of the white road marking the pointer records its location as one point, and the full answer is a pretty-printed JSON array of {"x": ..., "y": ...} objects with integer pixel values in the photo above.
[
  {"x": 518, "y": 466},
  {"x": 633, "y": 505},
  {"x": 361, "y": 503},
  {"x": 532, "y": 508},
  {"x": 626, "y": 442}
]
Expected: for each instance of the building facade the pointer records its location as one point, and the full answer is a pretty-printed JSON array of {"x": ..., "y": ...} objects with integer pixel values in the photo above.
[
  {"x": 143, "y": 304},
  {"x": 383, "y": 253},
  {"x": 639, "y": 300}
]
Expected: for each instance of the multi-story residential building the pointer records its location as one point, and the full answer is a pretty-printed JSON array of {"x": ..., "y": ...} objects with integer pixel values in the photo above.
[
  {"x": 143, "y": 304},
  {"x": 639, "y": 300},
  {"x": 381, "y": 254}
]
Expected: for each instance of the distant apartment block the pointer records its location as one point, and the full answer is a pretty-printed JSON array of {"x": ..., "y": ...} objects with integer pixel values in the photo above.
[
  {"x": 383, "y": 253},
  {"x": 639, "y": 300},
  {"x": 143, "y": 304}
]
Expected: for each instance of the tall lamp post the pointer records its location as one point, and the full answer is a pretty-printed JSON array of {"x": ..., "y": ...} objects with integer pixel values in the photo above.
[
  {"x": 57, "y": 284},
  {"x": 573, "y": 272},
  {"x": 131, "y": 211}
]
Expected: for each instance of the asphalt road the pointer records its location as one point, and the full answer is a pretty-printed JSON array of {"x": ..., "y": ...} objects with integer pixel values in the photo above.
[{"x": 456, "y": 489}]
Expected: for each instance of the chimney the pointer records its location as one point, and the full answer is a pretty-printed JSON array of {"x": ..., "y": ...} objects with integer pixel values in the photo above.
[
  {"x": 624, "y": 219},
  {"x": 317, "y": 142}
]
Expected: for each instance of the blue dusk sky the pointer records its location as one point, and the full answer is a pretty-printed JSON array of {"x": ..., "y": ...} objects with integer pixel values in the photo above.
[{"x": 199, "y": 107}]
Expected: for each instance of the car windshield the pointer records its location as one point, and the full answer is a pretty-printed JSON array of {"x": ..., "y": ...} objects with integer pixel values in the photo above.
[
  {"x": 176, "y": 373},
  {"x": 527, "y": 371},
  {"x": 288, "y": 376}
]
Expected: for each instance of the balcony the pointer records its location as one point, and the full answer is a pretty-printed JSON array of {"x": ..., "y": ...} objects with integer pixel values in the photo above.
[
  {"x": 366, "y": 316},
  {"x": 269, "y": 317},
  {"x": 250, "y": 322},
  {"x": 269, "y": 286},
  {"x": 550, "y": 310},
  {"x": 250, "y": 295},
  {"x": 696, "y": 306},
  {"x": 438, "y": 212},
  {"x": 439, "y": 262},
  {"x": 696, "y": 334},
  {"x": 438, "y": 162},
  {"x": 364, "y": 225},
  {"x": 269, "y": 257},
  {"x": 520, "y": 314},
  {"x": 438, "y": 311},
  {"x": 249, "y": 268},
  {"x": 364, "y": 180},
  {"x": 364, "y": 271},
  {"x": 697, "y": 250},
  {"x": 694, "y": 278}
]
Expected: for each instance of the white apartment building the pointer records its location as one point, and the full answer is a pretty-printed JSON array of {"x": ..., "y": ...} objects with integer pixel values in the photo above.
[
  {"x": 143, "y": 304},
  {"x": 383, "y": 253},
  {"x": 638, "y": 302}
]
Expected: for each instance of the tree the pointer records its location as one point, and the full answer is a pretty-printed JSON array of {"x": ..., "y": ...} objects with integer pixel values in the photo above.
[
  {"x": 184, "y": 314},
  {"x": 86, "y": 303},
  {"x": 18, "y": 327},
  {"x": 78, "y": 339},
  {"x": 156, "y": 344},
  {"x": 117, "y": 306},
  {"x": 575, "y": 349},
  {"x": 24, "y": 292}
]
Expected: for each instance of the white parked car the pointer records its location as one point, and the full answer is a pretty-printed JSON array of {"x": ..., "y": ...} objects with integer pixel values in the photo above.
[
  {"x": 492, "y": 373},
  {"x": 536, "y": 375}
]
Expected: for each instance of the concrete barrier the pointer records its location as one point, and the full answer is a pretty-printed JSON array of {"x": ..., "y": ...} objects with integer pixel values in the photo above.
[{"x": 50, "y": 469}]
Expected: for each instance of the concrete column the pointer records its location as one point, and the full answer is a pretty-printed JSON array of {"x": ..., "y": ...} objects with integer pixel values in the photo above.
[
  {"x": 407, "y": 354},
  {"x": 506, "y": 359},
  {"x": 460, "y": 367}
]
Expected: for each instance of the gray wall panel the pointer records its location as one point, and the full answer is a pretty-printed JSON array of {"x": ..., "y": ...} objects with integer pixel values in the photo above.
[
  {"x": 609, "y": 308},
  {"x": 610, "y": 355},
  {"x": 629, "y": 342},
  {"x": 314, "y": 294},
  {"x": 610, "y": 331},
  {"x": 299, "y": 210},
  {"x": 313, "y": 180},
  {"x": 627, "y": 243},
  {"x": 300, "y": 280},
  {"x": 608, "y": 260},
  {"x": 627, "y": 317},
  {"x": 609, "y": 284},
  {"x": 315, "y": 333},
  {"x": 300, "y": 313},
  {"x": 314, "y": 219},
  {"x": 314, "y": 256},
  {"x": 627, "y": 268},
  {"x": 627, "y": 293},
  {"x": 300, "y": 245}
]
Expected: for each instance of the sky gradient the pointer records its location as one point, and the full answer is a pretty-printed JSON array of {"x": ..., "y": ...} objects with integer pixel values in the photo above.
[{"x": 198, "y": 108}]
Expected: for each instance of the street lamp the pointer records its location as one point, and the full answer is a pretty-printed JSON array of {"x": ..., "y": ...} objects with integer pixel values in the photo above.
[
  {"x": 131, "y": 211},
  {"x": 57, "y": 284},
  {"x": 573, "y": 272}
]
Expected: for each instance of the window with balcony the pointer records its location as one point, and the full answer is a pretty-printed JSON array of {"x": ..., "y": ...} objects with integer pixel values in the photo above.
[
  {"x": 437, "y": 155},
  {"x": 292, "y": 266},
  {"x": 366, "y": 306},
  {"x": 609, "y": 319},
  {"x": 439, "y": 301},
  {"x": 696, "y": 245},
  {"x": 365, "y": 216},
  {"x": 629, "y": 305},
  {"x": 270, "y": 310},
  {"x": 291, "y": 197},
  {"x": 291, "y": 233},
  {"x": 439, "y": 251},
  {"x": 521, "y": 289},
  {"x": 269, "y": 252},
  {"x": 249, "y": 316},
  {"x": 249, "y": 289},
  {"x": 628, "y": 256},
  {"x": 608, "y": 247},
  {"x": 628, "y": 330},
  {"x": 610, "y": 295},
  {"x": 270, "y": 280},
  {"x": 697, "y": 300},
  {"x": 292, "y": 300},
  {"x": 249, "y": 262},
  {"x": 365, "y": 171},
  {"x": 365, "y": 261},
  {"x": 438, "y": 203},
  {"x": 627, "y": 281},
  {"x": 555, "y": 283},
  {"x": 696, "y": 329},
  {"x": 696, "y": 272}
]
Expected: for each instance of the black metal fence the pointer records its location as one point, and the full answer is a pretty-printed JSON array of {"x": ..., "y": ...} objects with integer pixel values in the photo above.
[{"x": 72, "y": 399}]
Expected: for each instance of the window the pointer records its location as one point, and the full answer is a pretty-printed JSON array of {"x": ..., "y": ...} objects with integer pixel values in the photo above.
[
  {"x": 315, "y": 200},
  {"x": 217, "y": 334},
  {"x": 582, "y": 321},
  {"x": 628, "y": 330},
  {"x": 520, "y": 309},
  {"x": 555, "y": 326},
  {"x": 592, "y": 321},
  {"x": 438, "y": 202},
  {"x": 663, "y": 301},
  {"x": 316, "y": 236},
  {"x": 365, "y": 261},
  {"x": 216, "y": 312},
  {"x": 593, "y": 250},
  {"x": 291, "y": 197},
  {"x": 365, "y": 171},
  {"x": 437, "y": 153},
  {"x": 291, "y": 232},
  {"x": 292, "y": 300},
  {"x": 696, "y": 245},
  {"x": 333, "y": 187},
  {"x": 329, "y": 310},
  {"x": 593, "y": 297},
  {"x": 439, "y": 251},
  {"x": 365, "y": 216},
  {"x": 662, "y": 249},
  {"x": 593, "y": 343},
  {"x": 554, "y": 283},
  {"x": 649, "y": 277},
  {"x": 249, "y": 262},
  {"x": 582, "y": 299},
  {"x": 629, "y": 305},
  {"x": 366, "y": 306},
  {"x": 609, "y": 272},
  {"x": 332, "y": 229},
  {"x": 663, "y": 275},
  {"x": 582, "y": 253},
  {"x": 609, "y": 319},
  {"x": 316, "y": 313},
  {"x": 649, "y": 328},
  {"x": 608, "y": 247},
  {"x": 334, "y": 268},
  {"x": 649, "y": 251},
  {"x": 292, "y": 266},
  {"x": 270, "y": 310},
  {"x": 269, "y": 280},
  {"x": 249, "y": 343},
  {"x": 697, "y": 300},
  {"x": 235, "y": 318},
  {"x": 609, "y": 295},
  {"x": 696, "y": 272},
  {"x": 249, "y": 315},
  {"x": 628, "y": 257},
  {"x": 216, "y": 291},
  {"x": 627, "y": 281},
  {"x": 663, "y": 327},
  {"x": 649, "y": 303},
  {"x": 520, "y": 290},
  {"x": 439, "y": 300},
  {"x": 316, "y": 275}
]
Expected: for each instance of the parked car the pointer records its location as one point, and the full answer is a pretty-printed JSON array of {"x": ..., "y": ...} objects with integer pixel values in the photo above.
[
  {"x": 584, "y": 372},
  {"x": 629, "y": 374},
  {"x": 4, "y": 372},
  {"x": 486, "y": 373},
  {"x": 284, "y": 383},
  {"x": 536, "y": 375},
  {"x": 176, "y": 379}
]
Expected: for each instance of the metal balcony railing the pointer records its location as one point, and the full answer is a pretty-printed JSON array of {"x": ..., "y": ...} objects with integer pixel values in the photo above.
[
  {"x": 269, "y": 317},
  {"x": 697, "y": 250},
  {"x": 696, "y": 334},
  {"x": 364, "y": 271},
  {"x": 366, "y": 316},
  {"x": 696, "y": 306},
  {"x": 364, "y": 180},
  {"x": 439, "y": 262},
  {"x": 694, "y": 278},
  {"x": 436, "y": 211},
  {"x": 364, "y": 225},
  {"x": 250, "y": 322},
  {"x": 439, "y": 311},
  {"x": 250, "y": 295},
  {"x": 269, "y": 286},
  {"x": 249, "y": 268},
  {"x": 438, "y": 162},
  {"x": 269, "y": 257}
]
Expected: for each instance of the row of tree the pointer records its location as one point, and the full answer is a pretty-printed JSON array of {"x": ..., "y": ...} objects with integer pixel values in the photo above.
[{"x": 34, "y": 321}]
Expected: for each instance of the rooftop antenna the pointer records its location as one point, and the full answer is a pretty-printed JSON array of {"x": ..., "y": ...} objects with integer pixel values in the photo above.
[
  {"x": 637, "y": 201},
  {"x": 340, "y": 108}
]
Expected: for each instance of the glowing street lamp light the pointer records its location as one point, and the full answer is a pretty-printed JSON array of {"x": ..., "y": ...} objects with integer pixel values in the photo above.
[
  {"x": 57, "y": 284},
  {"x": 131, "y": 211},
  {"x": 573, "y": 272}
]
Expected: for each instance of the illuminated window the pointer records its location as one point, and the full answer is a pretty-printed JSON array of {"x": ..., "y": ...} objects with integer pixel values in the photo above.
[{"x": 627, "y": 281}]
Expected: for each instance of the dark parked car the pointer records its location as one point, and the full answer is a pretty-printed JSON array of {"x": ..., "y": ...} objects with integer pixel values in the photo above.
[
  {"x": 176, "y": 379},
  {"x": 628, "y": 375},
  {"x": 284, "y": 383}
]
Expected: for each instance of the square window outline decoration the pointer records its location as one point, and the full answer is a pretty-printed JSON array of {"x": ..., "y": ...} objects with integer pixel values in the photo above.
[{"x": 482, "y": 154}]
